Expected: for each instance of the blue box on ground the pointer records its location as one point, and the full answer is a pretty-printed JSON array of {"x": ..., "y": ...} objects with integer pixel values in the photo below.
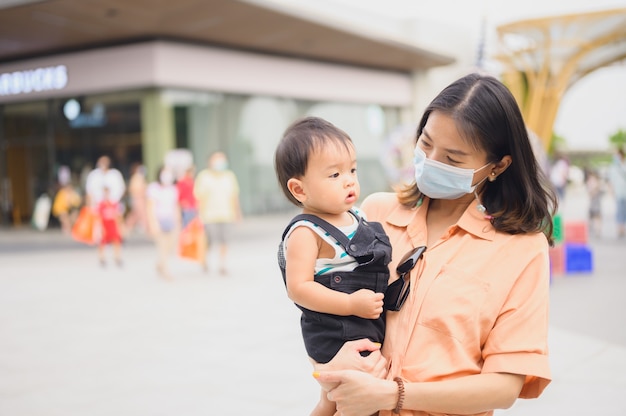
[{"x": 578, "y": 258}]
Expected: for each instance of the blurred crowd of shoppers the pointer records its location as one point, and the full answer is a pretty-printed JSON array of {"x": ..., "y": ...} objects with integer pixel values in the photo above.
[
  {"x": 160, "y": 209},
  {"x": 599, "y": 181},
  {"x": 559, "y": 175},
  {"x": 595, "y": 190},
  {"x": 617, "y": 180}
]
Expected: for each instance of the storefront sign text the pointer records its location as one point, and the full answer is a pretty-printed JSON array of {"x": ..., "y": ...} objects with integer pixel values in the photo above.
[{"x": 33, "y": 80}]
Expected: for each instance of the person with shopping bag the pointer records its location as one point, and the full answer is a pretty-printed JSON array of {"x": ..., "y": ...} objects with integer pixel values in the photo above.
[{"x": 192, "y": 241}]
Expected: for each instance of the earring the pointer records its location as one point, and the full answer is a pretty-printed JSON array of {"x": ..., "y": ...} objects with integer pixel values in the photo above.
[{"x": 492, "y": 177}]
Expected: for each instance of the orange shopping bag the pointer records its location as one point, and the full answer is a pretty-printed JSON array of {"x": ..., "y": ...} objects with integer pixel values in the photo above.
[
  {"x": 192, "y": 241},
  {"x": 84, "y": 229}
]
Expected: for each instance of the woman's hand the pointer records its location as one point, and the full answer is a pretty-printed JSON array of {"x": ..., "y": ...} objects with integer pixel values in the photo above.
[
  {"x": 358, "y": 393},
  {"x": 349, "y": 358}
]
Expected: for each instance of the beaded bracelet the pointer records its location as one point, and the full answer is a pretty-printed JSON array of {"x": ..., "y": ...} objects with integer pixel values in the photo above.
[{"x": 400, "y": 394}]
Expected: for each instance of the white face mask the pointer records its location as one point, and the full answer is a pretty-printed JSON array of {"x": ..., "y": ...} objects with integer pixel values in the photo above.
[
  {"x": 220, "y": 165},
  {"x": 437, "y": 180}
]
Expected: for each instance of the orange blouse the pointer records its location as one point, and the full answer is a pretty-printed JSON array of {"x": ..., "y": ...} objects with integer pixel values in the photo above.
[{"x": 478, "y": 303}]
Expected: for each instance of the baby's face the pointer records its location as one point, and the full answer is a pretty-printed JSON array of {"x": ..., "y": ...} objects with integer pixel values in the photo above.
[{"x": 330, "y": 183}]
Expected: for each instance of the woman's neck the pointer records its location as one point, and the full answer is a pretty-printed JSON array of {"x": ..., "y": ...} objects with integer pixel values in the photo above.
[
  {"x": 442, "y": 214},
  {"x": 450, "y": 208}
]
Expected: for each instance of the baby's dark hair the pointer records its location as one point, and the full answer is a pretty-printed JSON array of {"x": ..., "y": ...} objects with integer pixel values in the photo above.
[{"x": 299, "y": 140}]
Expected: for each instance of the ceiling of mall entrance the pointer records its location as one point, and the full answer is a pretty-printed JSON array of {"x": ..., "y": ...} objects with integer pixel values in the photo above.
[{"x": 30, "y": 28}]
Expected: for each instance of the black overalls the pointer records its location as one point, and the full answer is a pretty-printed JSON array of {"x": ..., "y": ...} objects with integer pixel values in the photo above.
[{"x": 323, "y": 333}]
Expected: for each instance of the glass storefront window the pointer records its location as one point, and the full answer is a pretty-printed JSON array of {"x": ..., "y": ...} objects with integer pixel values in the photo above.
[
  {"x": 25, "y": 168},
  {"x": 40, "y": 137},
  {"x": 263, "y": 121},
  {"x": 105, "y": 125}
]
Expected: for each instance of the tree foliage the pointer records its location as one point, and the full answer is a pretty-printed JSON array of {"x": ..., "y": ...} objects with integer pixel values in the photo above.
[
  {"x": 618, "y": 139},
  {"x": 557, "y": 143}
]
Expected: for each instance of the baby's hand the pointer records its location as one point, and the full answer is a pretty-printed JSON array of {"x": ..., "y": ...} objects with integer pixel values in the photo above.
[{"x": 367, "y": 304}]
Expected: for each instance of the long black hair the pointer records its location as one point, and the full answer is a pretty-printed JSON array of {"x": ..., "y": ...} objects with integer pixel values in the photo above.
[{"x": 488, "y": 117}]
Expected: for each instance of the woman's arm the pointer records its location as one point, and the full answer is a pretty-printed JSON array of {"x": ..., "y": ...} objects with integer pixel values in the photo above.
[
  {"x": 359, "y": 393},
  {"x": 349, "y": 357}
]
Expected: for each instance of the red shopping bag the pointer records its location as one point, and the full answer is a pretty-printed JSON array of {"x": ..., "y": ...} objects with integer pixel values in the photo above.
[
  {"x": 192, "y": 241},
  {"x": 84, "y": 229}
]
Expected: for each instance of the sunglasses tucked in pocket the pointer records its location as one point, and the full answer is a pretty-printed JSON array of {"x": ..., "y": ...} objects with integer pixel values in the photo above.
[{"x": 398, "y": 291}]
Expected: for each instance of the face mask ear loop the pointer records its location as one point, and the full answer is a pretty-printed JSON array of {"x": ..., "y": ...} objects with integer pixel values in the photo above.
[{"x": 481, "y": 208}]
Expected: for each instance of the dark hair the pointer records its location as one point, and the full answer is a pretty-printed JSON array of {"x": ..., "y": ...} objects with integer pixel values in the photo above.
[
  {"x": 160, "y": 169},
  {"x": 298, "y": 142},
  {"x": 488, "y": 117}
]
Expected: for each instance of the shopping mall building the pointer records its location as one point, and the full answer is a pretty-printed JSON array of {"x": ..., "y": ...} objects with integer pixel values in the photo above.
[{"x": 84, "y": 79}]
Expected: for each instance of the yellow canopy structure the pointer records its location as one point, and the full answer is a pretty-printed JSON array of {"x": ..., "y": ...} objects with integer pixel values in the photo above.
[{"x": 544, "y": 57}]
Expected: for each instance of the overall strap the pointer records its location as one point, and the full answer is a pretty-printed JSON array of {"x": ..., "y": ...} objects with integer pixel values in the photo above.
[{"x": 325, "y": 225}]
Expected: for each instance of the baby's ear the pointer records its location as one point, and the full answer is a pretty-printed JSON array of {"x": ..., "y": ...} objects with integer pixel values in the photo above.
[{"x": 295, "y": 187}]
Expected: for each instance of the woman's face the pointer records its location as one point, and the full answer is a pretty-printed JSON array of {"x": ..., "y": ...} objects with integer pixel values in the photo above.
[{"x": 441, "y": 141}]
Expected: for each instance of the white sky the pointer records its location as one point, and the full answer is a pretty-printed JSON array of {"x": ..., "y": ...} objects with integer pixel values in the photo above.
[{"x": 590, "y": 112}]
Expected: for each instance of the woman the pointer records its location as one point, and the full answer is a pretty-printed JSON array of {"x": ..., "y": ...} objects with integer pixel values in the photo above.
[
  {"x": 471, "y": 335},
  {"x": 137, "y": 197},
  {"x": 164, "y": 218}
]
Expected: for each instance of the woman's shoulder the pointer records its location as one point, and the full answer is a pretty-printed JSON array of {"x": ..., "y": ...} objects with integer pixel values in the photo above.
[
  {"x": 376, "y": 204},
  {"x": 380, "y": 198},
  {"x": 528, "y": 243}
]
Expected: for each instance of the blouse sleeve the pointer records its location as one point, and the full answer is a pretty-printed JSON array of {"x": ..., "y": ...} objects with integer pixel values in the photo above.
[{"x": 518, "y": 341}]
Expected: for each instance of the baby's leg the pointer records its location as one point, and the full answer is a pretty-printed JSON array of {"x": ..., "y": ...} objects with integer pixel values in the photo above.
[{"x": 324, "y": 407}]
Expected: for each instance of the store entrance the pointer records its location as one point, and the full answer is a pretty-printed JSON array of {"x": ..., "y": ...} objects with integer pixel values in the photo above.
[
  {"x": 25, "y": 160},
  {"x": 112, "y": 129},
  {"x": 38, "y": 138}
]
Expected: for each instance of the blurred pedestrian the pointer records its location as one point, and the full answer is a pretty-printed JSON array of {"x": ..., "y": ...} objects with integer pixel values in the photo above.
[
  {"x": 559, "y": 175},
  {"x": 137, "y": 186},
  {"x": 617, "y": 180},
  {"x": 186, "y": 198},
  {"x": 163, "y": 218},
  {"x": 104, "y": 176},
  {"x": 66, "y": 201},
  {"x": 217, "y": 191},
  {"x": 111, "y": 214},
  {"x": 595, "y": 192}
]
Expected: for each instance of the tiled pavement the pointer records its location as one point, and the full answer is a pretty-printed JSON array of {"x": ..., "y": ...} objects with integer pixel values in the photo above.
[{"x": 76, "y": 339}]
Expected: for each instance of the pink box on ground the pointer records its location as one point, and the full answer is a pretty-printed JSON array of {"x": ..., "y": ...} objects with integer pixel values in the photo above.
[
  {"x": 557, "y": 260},
  {"x": 576, "y": 232}
]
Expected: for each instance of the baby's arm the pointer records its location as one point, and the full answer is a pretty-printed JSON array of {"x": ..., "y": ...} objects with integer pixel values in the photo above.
[{"x": 303, "y": 248}]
